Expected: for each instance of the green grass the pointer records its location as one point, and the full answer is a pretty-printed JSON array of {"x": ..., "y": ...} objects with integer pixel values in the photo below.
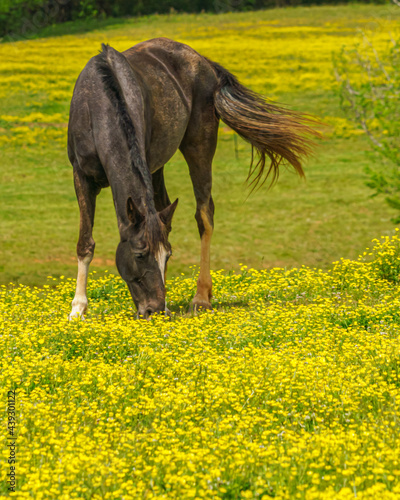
[{"x": 312, "y": 222}]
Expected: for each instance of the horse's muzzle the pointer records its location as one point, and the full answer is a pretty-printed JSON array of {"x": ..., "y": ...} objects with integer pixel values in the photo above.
[{"x": 147, "y": 311}]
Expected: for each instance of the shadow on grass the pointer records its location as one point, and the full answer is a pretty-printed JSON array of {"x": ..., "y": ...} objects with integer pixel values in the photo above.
[
  {"x": 71, "y": 28},
  {"x": 185, "y": 310}
]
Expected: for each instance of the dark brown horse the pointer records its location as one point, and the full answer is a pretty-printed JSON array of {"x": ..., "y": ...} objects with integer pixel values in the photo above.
[{"x": 130, "y": 112}]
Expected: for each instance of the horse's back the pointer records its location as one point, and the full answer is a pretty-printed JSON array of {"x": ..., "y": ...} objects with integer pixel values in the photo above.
[
  {"x": 168, "y": 61},
  {"x": 175, "y": 82},
  {"x": 179, "y": 81}
]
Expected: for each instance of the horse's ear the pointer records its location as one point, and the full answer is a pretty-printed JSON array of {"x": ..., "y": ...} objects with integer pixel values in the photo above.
[
  {"x": 167, "y": 213},
  {"x": 133, "y": 213}
]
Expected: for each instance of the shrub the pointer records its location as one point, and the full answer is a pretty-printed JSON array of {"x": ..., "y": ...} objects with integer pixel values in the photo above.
[{"x": 369, "y": 80}]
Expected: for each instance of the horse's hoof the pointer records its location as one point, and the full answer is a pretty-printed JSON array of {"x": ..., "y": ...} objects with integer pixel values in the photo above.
[
  {"x": 199, "y": 304},
  {"x": 76, "y": 314},
  {"x": 72, "y": 317},
  {"x": 79, "y": 307}
]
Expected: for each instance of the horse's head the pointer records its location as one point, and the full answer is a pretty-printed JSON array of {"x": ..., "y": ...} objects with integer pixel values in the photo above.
[{"x": 142, "y": 256}]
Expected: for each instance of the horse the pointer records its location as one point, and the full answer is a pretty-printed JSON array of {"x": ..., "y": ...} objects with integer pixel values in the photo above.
[{"x": 130, "y": 112}]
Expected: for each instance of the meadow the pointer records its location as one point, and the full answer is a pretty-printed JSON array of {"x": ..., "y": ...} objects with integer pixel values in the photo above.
[
  {"x": 286, "y": 54},
  {"x": 289, "y": 388}
]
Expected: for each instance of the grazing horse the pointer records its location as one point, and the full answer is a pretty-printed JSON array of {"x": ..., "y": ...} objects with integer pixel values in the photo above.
[{"x": 129, "y": 114}]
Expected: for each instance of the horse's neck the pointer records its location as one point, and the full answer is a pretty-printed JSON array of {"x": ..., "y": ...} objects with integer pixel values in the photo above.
[{"x": 131, "y": 186}]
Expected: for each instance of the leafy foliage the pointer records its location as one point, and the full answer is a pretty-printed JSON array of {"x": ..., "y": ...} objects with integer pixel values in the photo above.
[{"x": 369, "y": 79}]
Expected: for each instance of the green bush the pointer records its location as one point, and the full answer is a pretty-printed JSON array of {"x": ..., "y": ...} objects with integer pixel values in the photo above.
[{"x": 369, "y": 91}]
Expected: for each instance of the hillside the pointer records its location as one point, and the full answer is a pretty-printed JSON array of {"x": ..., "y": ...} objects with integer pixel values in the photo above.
[{"x": 286, "y": 54}]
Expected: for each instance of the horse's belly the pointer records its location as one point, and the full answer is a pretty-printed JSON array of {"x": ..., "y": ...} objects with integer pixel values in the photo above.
[
  {"x": 166, "y": 140},
  {"x": 160, "y": 156}
]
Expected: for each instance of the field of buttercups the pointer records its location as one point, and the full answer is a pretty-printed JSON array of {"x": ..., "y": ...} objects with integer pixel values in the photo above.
[
  {"x": 295, "y": 57},
  {"x": 288, "y": 389}
]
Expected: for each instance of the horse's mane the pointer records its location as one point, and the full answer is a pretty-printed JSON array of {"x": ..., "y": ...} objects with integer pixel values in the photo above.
[
  {"x": 108, "y": 63},
  {"x": 156, "y": 233},
  {"x": 113, "y": 87}
]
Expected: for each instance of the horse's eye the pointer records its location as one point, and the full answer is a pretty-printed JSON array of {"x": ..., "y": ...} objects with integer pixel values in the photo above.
[
  {"x": 139, "y": 256},
  {"x": 168, "y": 256}
]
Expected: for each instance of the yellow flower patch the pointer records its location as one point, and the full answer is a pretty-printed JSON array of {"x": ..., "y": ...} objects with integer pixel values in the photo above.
[
  {"x": 288, "y": 389},
  {"x": 271, "y": 56}
]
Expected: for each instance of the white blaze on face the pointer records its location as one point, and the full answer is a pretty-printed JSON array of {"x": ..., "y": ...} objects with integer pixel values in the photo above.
[{"x": 161, "y": 257}]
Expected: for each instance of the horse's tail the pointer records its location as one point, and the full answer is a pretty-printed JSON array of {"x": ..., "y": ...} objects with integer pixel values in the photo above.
[{"x": 274, "y": 131}]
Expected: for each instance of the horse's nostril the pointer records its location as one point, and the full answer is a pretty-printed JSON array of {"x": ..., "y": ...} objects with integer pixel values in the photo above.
[
  {"x": 149, "y": 311},
  {"x": 146, "y": 312}
]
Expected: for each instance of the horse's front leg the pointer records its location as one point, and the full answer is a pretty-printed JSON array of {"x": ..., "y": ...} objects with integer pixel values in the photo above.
[
  {"x": 199, "y": 161},
  {"x": 86, "y": 192}
]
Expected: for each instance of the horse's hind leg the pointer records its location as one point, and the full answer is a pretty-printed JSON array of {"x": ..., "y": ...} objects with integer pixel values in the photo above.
[
  {"x": 198, "y": 149},
  {"x": 86, "y": 192}
]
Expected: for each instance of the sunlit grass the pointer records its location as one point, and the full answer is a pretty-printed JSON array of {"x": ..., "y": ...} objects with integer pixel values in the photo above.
[{"x": 286, "y": 54}]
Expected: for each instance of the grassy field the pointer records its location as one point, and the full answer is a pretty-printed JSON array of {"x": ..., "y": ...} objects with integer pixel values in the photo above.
[
  {"x": 285, "y": 54},
  {"x": 289, "y": 390}
]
